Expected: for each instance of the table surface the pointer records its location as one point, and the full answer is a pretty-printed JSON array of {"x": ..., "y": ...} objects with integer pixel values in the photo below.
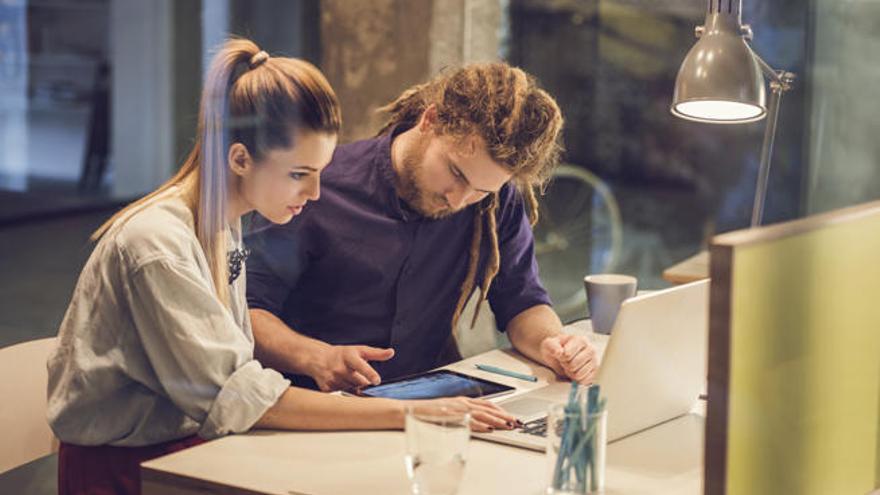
[
  {"x": 666, "y": 459},
  {"x": 690, "y": 270}
]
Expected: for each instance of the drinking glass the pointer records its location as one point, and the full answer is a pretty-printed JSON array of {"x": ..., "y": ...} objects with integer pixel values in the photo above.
[{"x": 436, "y": 449}]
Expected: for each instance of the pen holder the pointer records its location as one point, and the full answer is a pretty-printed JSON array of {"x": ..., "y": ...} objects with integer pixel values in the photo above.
[{"x": 576, "y": 450}]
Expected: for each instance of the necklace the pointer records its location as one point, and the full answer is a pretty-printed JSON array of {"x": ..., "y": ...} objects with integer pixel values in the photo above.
[{"x": 236, "y": 259}]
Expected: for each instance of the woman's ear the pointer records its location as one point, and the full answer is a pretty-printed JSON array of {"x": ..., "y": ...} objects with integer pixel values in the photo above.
[{"x": 239, "y": 159}]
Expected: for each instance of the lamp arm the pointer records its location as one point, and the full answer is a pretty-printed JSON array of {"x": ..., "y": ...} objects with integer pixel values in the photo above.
[
  {"x": 766, "y": 69},
  {"x": 780, "y": 82},
  {"x": 766, "y": 155},
  {"x": 781, "y": 77}
]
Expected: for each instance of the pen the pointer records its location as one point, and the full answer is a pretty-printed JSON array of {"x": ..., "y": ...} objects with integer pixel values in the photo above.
[{"x": 502, "y": 371}]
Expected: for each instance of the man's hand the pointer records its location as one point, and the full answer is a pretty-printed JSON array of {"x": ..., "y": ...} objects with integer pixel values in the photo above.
[
  {"x": 570, "y": 356},
  {"x": 340, "y": 367}
]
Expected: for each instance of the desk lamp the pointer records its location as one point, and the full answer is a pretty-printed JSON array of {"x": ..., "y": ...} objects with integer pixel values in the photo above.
[{"x": 721, "y": 81}]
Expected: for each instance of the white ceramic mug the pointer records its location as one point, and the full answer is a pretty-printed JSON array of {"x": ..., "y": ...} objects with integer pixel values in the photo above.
[{"x": 605, "y": 293}]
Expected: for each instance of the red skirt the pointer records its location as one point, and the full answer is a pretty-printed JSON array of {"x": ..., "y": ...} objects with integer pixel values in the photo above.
[{"x": 109, "y": 470}]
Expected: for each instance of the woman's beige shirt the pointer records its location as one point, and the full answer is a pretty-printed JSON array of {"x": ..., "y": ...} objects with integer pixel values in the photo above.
[{"x": 147, "y": 353}]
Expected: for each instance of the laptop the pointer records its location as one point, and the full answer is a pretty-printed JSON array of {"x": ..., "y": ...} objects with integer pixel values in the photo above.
[{"x": 653, "y": 368}]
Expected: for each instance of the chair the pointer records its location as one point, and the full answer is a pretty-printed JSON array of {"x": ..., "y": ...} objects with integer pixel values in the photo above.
[
  {"x": 483, "y": 336},
  {"x": 579, "y": 232},
  {"x": 26, "y": 434}
]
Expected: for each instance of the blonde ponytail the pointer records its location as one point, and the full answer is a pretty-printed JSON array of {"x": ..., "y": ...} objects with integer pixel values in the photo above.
[
  {"x": 212, "y": 185},
  {"x": 251, "y": 98}
]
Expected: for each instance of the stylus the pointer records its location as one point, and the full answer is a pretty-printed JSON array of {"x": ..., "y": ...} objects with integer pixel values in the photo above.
[{"x": 502, "y": 371}]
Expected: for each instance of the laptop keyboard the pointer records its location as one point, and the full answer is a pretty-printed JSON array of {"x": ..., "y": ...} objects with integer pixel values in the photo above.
[{"x": 537, "y": 427}]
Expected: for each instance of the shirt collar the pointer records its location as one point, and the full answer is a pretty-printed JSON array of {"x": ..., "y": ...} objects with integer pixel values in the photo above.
[{"x": 396, "y": 206}]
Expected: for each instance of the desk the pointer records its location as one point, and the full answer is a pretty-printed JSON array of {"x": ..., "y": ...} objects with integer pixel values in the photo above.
[
  {"x": 690, "y": 270},
  {"x": 666, "y": 459}
]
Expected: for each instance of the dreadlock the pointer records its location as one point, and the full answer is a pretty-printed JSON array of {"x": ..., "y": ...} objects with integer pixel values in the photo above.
[{"x": 520, "y": 124}]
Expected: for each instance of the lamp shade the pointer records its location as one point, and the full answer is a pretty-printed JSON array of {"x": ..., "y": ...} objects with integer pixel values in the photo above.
[{"x": 720, "y": 80}]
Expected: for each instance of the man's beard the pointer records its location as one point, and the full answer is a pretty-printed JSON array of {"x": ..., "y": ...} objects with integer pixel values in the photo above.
[{"x": 410, "y": 187}]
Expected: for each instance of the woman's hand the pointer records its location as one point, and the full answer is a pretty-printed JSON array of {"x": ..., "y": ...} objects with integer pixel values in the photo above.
[{"x": 485, "y": 416}]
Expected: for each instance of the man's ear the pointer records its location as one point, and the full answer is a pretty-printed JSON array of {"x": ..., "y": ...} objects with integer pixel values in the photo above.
[
  {"x": 239, "y": 159},
  {"x": 428, "y": 120}
]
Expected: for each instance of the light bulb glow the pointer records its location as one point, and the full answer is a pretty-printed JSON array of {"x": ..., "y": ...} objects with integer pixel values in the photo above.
[{"x": 721, "y": 111}]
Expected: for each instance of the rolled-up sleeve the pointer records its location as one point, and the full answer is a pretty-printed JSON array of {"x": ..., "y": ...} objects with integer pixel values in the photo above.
[
  {"x": 517, "y": 287},
  {"x": 244, "y": 398},
  {"x": 202, "y": 358}
]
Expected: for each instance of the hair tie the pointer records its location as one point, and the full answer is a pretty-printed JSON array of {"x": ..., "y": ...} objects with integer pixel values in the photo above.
[{"x": 258, "y": 59}]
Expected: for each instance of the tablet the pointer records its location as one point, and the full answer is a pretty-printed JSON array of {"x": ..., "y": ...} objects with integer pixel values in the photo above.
[{"x": 434, "y": 384}]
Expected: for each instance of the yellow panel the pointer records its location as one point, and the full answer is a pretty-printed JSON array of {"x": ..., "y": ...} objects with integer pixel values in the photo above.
[{"x": 804, "y": 397}]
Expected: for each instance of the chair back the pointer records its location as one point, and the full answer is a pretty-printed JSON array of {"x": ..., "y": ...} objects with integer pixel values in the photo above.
[{"x": 23, "y": 381}]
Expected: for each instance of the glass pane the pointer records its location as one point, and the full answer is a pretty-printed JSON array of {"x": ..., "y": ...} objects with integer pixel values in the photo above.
[{"x": 612, "y": 65}]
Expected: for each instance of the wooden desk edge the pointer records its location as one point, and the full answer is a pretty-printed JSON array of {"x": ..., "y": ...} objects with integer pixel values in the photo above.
[
  {"x": 159, "y": 482},
  {"x": 690, "y": 270},
  {"x": 682, "y": 278}
]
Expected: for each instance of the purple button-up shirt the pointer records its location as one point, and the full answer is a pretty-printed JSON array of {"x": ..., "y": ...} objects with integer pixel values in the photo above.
[{"x": 359, "y": 267}]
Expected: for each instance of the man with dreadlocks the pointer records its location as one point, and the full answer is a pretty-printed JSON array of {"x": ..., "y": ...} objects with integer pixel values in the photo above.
[{"x": 370, "y": 282}]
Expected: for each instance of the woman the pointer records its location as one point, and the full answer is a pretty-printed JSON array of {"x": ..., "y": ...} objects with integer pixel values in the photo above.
[{"x": 156, "y": 351}]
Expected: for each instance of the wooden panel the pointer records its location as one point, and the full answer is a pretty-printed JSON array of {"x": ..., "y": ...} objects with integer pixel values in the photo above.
[
  {"x": 796, "y": 407},
  {"x": 715, "y": 450}
]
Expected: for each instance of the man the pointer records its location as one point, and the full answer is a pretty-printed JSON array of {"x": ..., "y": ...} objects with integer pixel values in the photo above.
[{"x": 370, "y": 281}]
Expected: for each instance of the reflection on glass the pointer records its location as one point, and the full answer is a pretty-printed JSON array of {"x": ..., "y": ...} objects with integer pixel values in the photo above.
[
  {"x": 13, "y": 95},
  {"x": 612, "y": 65},
  {"x": 579, "y": 232}
]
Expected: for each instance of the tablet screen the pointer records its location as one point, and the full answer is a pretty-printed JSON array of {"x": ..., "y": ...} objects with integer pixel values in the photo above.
[{"x": 433, "y": 384}]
